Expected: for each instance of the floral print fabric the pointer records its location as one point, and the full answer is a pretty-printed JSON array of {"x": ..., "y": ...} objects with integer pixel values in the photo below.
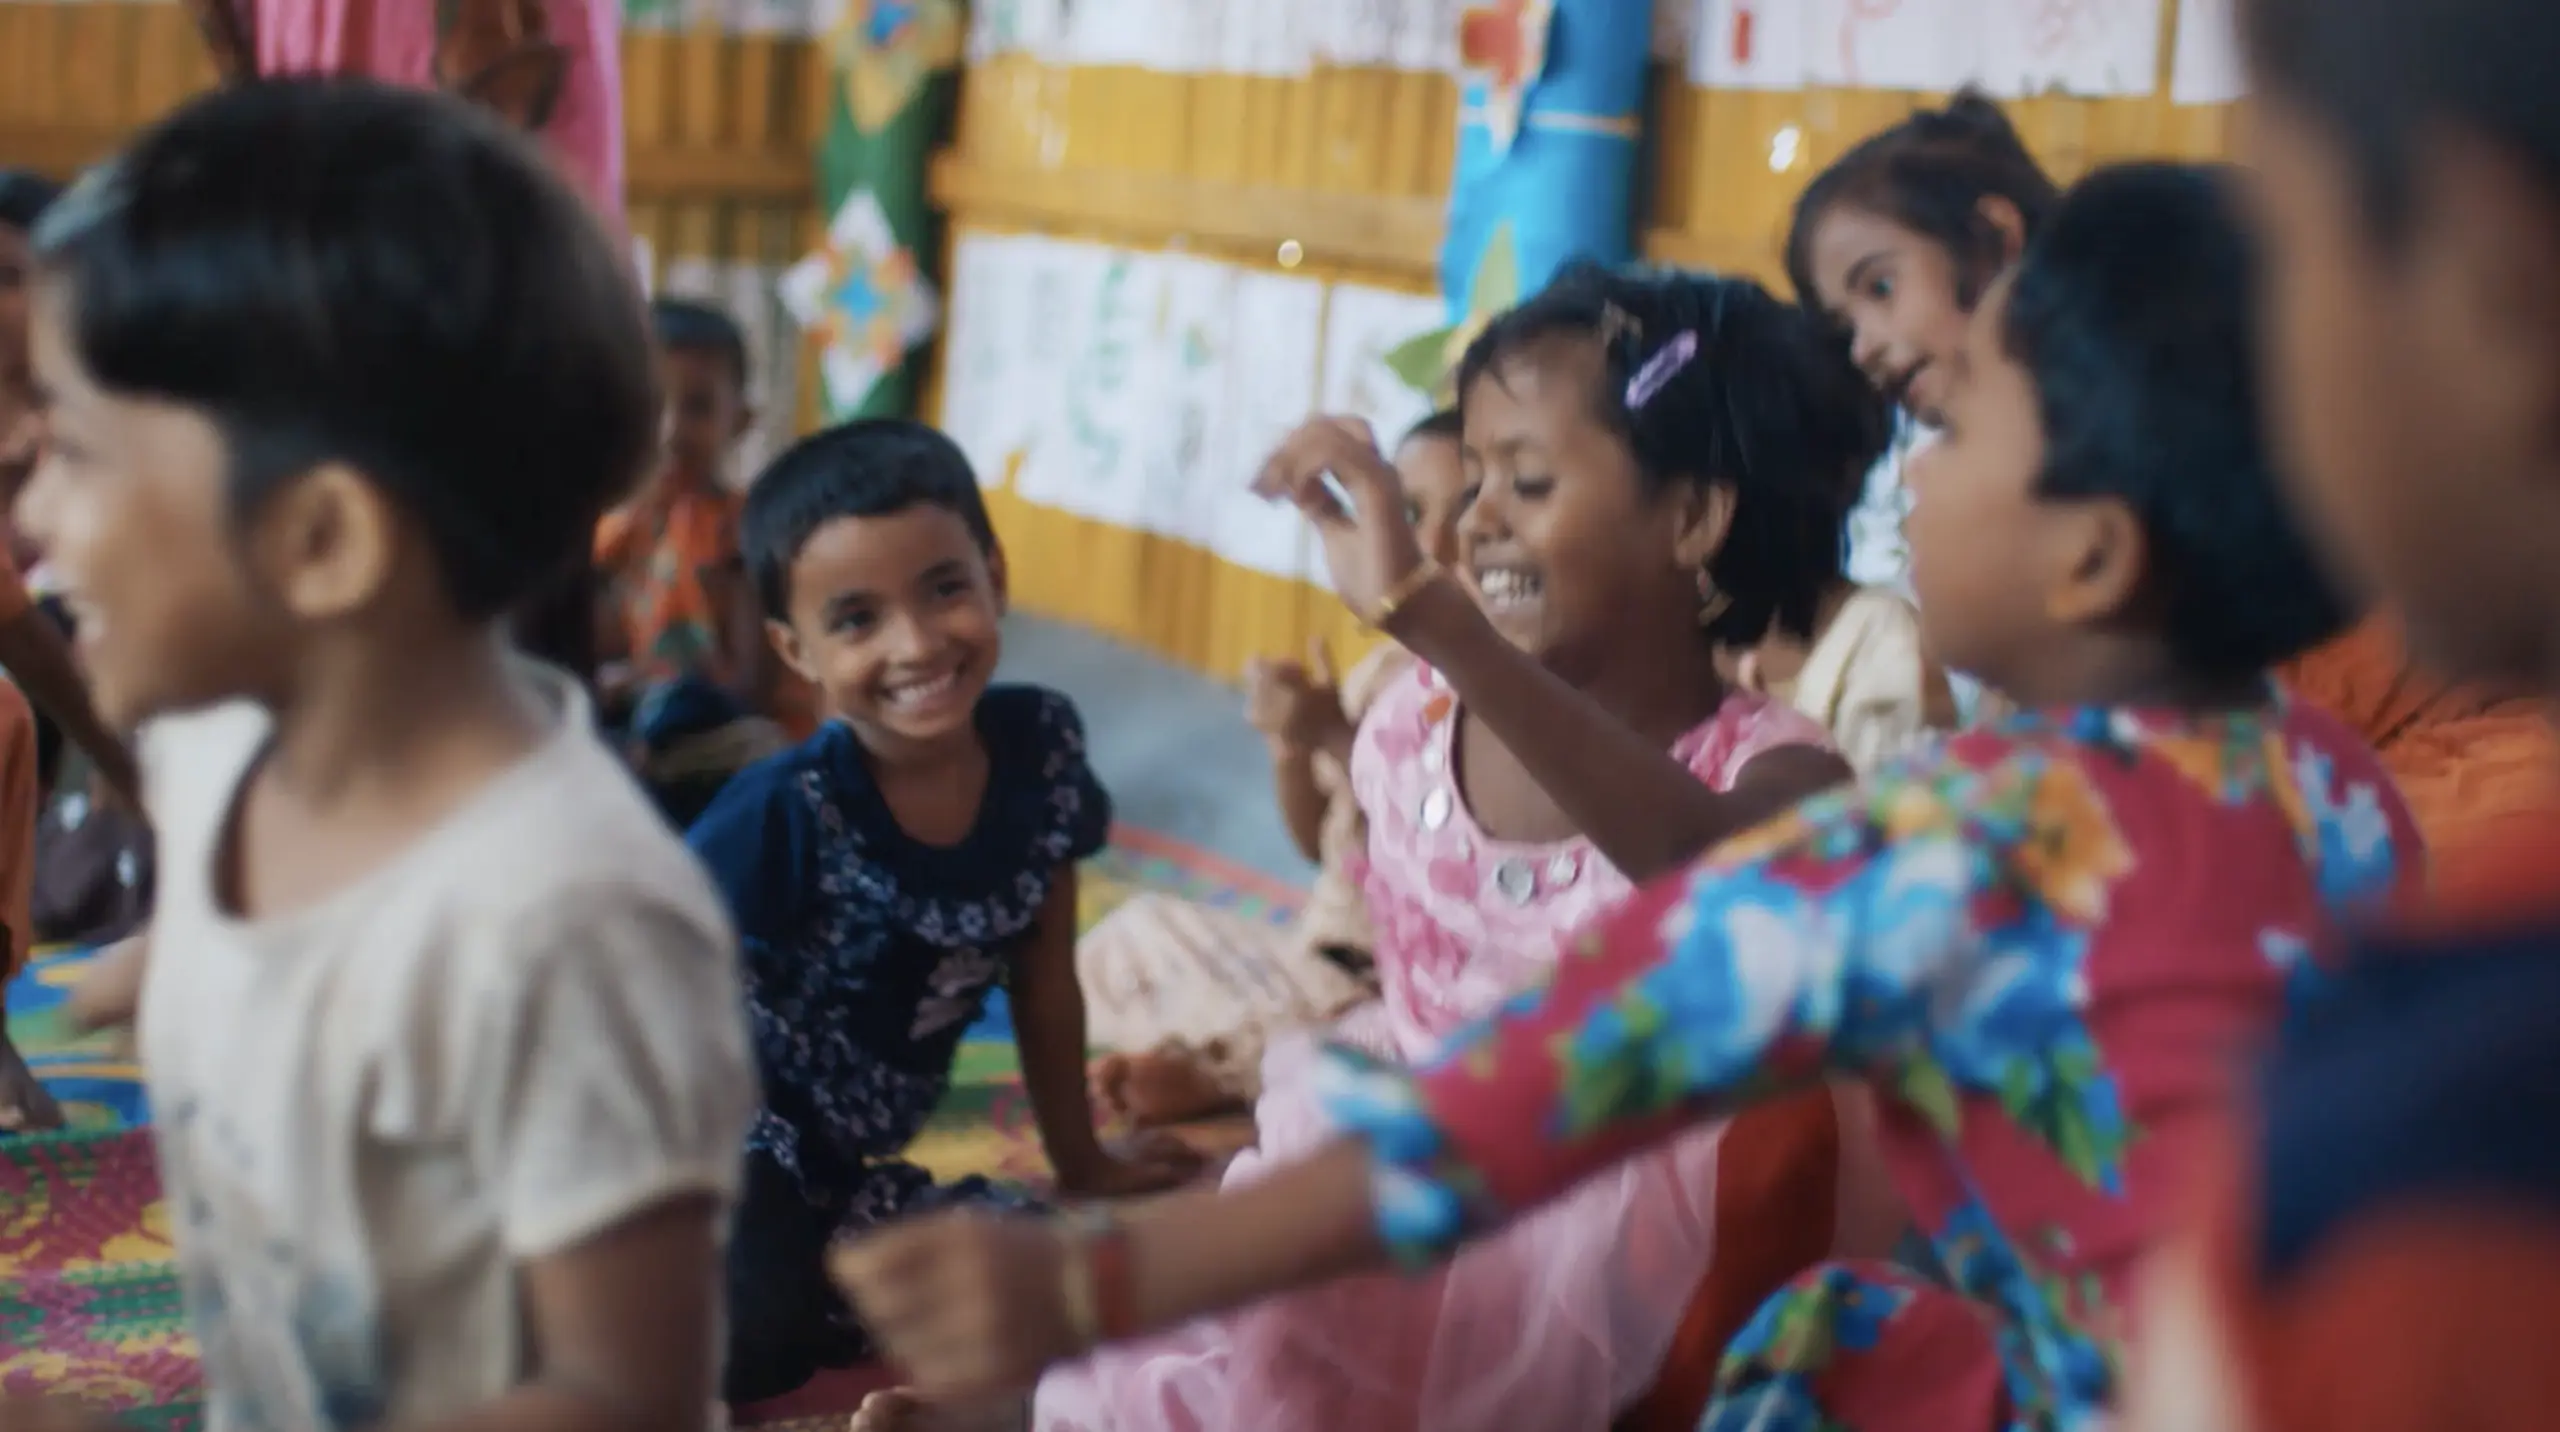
[{"x": 2041, "y": 944}]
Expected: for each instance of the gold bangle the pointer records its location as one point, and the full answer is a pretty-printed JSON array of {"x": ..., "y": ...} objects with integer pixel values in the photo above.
[
  {"x": 1084, "y": 1235},
  {"x": 1403, "y": 592}
]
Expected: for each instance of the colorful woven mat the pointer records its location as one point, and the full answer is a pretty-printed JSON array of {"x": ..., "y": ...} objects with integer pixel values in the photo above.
[{"x": 88, "y": 1296}]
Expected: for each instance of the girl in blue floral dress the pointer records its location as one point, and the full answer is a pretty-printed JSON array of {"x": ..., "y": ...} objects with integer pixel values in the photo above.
[
  {"x": 2041, "y": 944},
  {"x": 888, "y": 872}
]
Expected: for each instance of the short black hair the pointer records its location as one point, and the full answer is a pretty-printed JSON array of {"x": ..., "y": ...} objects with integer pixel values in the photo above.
[
  {"x": 1447, "y": 425},
  {"x": 870, "y": 467},
  {"x": 336, "y": 270},
  {"x": 24, "y": 196},
  {"x": 2378, "y": 73},
  {"x": 1930, "y": 174},
  {"x": 681, "y": 325},
  {"x": 2132, "y": 313},
  {"x": 1768, "y": 405}
]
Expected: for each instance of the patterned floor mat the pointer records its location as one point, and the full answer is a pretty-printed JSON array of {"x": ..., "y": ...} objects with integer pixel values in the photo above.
[{"x": 88, "y": 1298}]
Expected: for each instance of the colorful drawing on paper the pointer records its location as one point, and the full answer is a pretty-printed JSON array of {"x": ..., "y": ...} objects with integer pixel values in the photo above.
[
  {"x": 861, "y": 299},
  {"x": 1894, "y": 44},
  {"x": 1363, "y": 328},
  {"x": 885, "y": 50},
  {"x": 2083, "y": 47},
  {"x": 1750, "y": 45},
  {"x": 1503, "y": 47}
]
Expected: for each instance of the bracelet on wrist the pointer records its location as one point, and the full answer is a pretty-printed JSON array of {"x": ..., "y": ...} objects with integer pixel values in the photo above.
[
  {"x": 1098, "y": 1287},
  {"x": 1396, "y": 598}
]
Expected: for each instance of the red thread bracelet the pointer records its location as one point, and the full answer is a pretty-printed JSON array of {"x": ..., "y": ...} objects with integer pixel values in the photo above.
[{"x": 1101, "y": 1291}]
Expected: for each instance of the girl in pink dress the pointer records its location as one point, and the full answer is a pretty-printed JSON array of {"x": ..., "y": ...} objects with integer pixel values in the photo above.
[{"x": 1653, "y": 463}]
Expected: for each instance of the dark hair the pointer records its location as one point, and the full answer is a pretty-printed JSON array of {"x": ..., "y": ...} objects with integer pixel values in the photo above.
[
  {"x": 2378, "y": 73},
  {"x": 341, "y": 271},
  {"x": 683, "y": 326},
  {"x": 1767, "y": 406},
  {"x": 2132, "y": 314},
  {"x": 1930, "y": 174},
  {"x": 1445, "y": 425},
  {"x": 871, "y": 467},
  {"x": 24, "y": 196}
]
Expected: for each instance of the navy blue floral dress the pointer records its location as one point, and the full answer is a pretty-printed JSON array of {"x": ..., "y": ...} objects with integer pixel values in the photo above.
[{"x": 868, "y": 955}]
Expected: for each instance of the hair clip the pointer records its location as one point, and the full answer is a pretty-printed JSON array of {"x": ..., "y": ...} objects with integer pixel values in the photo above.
[{"x": 1658, "y": 370}]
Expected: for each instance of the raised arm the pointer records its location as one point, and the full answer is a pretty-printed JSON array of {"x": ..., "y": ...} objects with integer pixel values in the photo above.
[{"x": 1643, "y": 810}]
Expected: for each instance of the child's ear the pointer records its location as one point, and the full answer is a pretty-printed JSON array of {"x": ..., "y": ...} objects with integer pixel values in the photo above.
[
  {"x": 745, "y": 422},
  {"x": 2485, "y": 260},
  {"x": 2004, "y": 220},
  {"x": 2104, "y": 561},
  {"x": 1701, "y": 521},
  {"x": 326, "y": 544},
  {"x": 997, "y": 578},
  {"x": 786, "y": 644}
]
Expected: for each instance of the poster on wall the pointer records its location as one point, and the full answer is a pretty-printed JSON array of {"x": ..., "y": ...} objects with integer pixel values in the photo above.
[
  {"x": 979, "y": 354},
  {"x": 1893, "y": 44},
  {"x": 2099, "y": 49},
  {"x": 1363, "y": 328},
  {"x": 1273, "y": 389},
  {"x": 1750, "y": 44},
  {"x": 1061, "y": 286},
  {"x": 1089, "y": 458},
  {"x": 2205, "y": 65},
  {"x": 1186, "y": 451}
]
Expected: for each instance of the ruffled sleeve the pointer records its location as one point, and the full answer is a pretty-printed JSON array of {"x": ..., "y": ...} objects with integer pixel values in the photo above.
[{"x": 1822, "y": 942}]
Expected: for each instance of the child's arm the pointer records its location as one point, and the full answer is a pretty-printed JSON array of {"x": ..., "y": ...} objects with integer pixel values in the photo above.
[
  {"x": 1048, "y": 1028},
  {"x": 110, "y": 993},
  {"x": 1643, "y": 809},
  {"x": 1831, "y": 941},
  {"x": 1302, "y": 800}
]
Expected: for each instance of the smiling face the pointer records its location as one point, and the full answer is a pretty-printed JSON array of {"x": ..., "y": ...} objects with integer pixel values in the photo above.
[
  {"x": 1898, "y": 293},
  {"x": 1570, "y": 555},
  {"x": 897, "y": 620},
  {"x": 129, "y": 503},
  {"x": 1433, "y": 473}
]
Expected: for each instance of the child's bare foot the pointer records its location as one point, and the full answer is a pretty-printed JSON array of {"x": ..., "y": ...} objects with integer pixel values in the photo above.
[
  {"x": 1152, "y": 1089},
  {"x": 25, "y": 1106},
  {"x": 901, "y": 1411}
]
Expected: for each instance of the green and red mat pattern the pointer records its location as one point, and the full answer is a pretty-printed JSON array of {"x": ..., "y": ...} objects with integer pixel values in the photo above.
[{"x": 88, "y": 1293}]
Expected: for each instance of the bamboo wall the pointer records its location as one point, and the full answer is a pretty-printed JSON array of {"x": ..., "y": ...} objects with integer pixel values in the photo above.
[
  {"x": 719, "y": 126},
  {"x": 1343, "y": 174}
]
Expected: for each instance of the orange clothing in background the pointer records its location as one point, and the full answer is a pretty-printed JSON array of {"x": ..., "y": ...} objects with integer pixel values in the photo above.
[
  {"x": 662, "y": 560},
  {"x": 2475, "y": 766}
]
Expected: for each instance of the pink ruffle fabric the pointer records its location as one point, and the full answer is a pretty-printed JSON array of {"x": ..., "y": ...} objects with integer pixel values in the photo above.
[
  {"x": 1560, "y": 1320},
  {"x": 315, "y": 37}
]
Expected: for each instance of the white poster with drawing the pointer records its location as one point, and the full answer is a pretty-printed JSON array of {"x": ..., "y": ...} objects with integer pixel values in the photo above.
[
  {"x": 1185, "y": 450},
  {"x": 1893, "y": 44},
  {"x": 977, "y": 373},
  {"x": 1362, "y": 326},
  {"x": 1060, "y": 281},
  {"x": 1426, "y": 36},
  {"x": 1273, "y": 373},
  {"x": 2097, "y": 49},
  {"x": 1751, "y": 44},
  {"x": 1092, "y": 467},
  {"x": 2205, "y": 65}
]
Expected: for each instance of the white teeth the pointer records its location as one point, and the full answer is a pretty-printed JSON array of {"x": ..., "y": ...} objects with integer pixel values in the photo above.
[
  {"x": 1503, "y": 585},
  {"x": 916, "y": 693}
]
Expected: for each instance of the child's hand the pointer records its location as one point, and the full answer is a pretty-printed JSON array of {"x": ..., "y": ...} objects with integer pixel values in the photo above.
[
  {"x": 1149, "y": 1162},
  {"x": 966, "y": 1303},
  {"x": 1369, "y": 546},
  {"x": 1296, "y": 708}
]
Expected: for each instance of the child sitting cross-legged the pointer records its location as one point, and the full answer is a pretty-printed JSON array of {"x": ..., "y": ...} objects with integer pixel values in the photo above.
[
  {"x": 2040, "y": 943},
  {"x": 888, "y": 872}
]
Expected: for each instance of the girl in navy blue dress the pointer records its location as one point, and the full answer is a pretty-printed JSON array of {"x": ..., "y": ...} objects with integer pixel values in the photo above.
[{"x": 888, "y": 872}]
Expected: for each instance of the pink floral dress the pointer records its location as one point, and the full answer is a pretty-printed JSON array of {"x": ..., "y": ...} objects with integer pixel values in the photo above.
[{"x": 1560, "y": 1321}]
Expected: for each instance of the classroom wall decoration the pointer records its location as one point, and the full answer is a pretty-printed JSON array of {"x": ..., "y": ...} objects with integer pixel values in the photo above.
[{"x": 863, "y": 302}]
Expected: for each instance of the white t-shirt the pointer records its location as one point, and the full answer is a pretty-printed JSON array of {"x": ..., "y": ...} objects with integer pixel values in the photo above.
[{"x": 521, "y": 1031}]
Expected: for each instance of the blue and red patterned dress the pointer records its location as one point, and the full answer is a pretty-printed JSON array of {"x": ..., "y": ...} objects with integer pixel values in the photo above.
[{"x": 2044, "y": 945}]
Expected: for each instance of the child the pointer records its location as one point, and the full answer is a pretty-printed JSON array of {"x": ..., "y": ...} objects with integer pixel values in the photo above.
[
  {"x": 1646, "y": 453},
  {"x": 2384, "y": 1254},
  {"x": 1194, "y": 993},
  {"x": 889, "y": 871},
  {"x": 2038, "y": 943},
  {"x": 445, "y": 1072},
  {"x": 686, "y": 664},
  {"x": 1864, "y": 674},
  {"x": 41, "y": 673}
]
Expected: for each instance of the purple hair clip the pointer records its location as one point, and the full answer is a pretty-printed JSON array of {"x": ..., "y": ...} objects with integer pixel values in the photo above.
[{"x": 1658, "y": 370}]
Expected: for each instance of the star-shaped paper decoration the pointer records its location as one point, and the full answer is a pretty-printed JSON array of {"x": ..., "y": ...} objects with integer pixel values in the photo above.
[
  {"x": 887, "y": 49},
  {"x": 1503, "y": 46},
  {"x": 861, "y": 299},
  {"x": 1428, "y": 363}
]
